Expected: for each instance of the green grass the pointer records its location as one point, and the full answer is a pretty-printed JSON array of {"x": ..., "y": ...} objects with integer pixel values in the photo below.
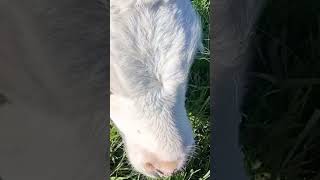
[{"x": 198, "y": 108}]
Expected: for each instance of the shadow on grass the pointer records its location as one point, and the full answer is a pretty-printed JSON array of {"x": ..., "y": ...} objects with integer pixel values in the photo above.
[{"x": 281, "y": 122}]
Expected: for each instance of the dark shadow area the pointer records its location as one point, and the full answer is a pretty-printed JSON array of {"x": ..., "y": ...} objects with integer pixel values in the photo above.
[
  {"x": 3, "y": 100},
  {"x": 53, "y": 90},
  {"x": 281, "y": 120}
]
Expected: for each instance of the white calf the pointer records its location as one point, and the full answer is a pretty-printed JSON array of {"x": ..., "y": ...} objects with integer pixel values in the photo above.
[{"x": 152, "y": 47}]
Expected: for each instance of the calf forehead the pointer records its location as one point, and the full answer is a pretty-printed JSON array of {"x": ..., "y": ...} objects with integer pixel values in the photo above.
[
  {"x": 150, "y": 44},
  {"x": 151, "y": 34}
]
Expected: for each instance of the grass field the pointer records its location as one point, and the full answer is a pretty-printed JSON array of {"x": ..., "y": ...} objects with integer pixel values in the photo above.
[{"x": 198, "y": 108}]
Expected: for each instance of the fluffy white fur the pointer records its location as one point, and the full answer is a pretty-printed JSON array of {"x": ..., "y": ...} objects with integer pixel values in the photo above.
[{"x": 153, "y": 43}]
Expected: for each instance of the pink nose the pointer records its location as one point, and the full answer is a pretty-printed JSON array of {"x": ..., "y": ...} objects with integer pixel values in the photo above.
[{"x": 162, "y": 168}]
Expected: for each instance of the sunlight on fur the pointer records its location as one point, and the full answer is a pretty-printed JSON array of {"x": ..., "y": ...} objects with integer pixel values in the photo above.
[{"x": 152, "y": 45}]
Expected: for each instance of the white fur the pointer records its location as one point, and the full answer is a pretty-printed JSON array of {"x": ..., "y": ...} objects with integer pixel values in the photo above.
[{"x": 153, "y": 43}]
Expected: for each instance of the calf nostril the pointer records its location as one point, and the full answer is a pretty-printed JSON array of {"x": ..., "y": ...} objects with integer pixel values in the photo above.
[
  {"x": 149, "y": 167},
  {"x": 162, "y": 168},
  {"x": 166, "y": 168},
  {"x": 159, "y": 172}
]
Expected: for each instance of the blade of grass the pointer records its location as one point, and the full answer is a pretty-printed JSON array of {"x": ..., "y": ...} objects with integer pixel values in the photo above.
[{"x": 311, "y": 123}]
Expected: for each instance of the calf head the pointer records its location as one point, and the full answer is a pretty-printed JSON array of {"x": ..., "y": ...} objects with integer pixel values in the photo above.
[{"x": 153, "y": 44}]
